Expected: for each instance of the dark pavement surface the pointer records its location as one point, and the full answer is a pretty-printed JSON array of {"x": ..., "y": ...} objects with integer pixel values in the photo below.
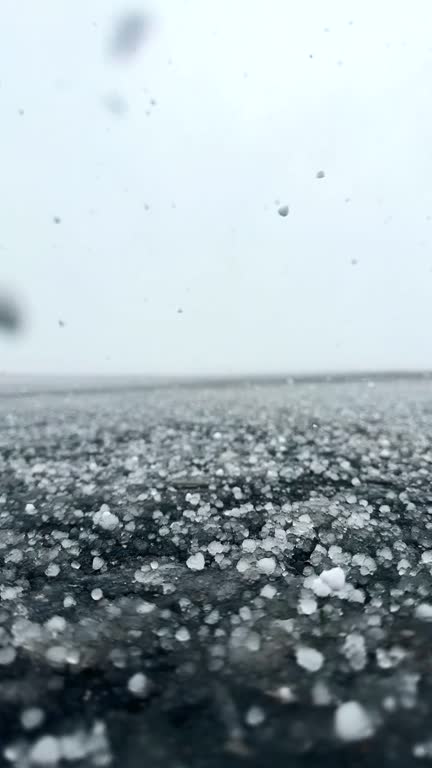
[{"x": 195, "y": 577}]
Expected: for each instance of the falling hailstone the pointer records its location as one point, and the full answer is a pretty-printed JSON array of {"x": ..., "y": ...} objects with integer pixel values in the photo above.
[
  {"x": 320, "y": 175},
  {"x": 283, "y": 210},
  {"x": 10, "y": 316},
  {"x": 129, "y": 34}
]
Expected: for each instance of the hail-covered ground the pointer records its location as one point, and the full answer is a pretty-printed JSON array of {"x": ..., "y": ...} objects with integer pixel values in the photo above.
[{"x": 227, "y": 576}]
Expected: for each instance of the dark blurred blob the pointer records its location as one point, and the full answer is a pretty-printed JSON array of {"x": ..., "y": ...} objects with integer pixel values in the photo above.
[
  {"x": 61, "y": 323},
  {"x": 320, "y": 175},
  {"x": 131, "y": 31},
  {"x": 116, "y": 104},
  {"x": 57, "y": 220},
  {"x": 283, "y": 210},
  {"x": 11, "y": 319}
]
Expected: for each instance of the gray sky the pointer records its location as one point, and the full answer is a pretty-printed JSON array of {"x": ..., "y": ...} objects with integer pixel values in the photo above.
[{"x": 243, "y": 117}]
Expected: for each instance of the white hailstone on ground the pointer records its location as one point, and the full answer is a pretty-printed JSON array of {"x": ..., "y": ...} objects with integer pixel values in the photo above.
[
  {"x": 105, "y": 519},
  {"x": 254, "y": 716},
  {"x": 196, "y": 562},
  {"x": 212, "y": 617},
  {"x": 253, "y": 642},
  {"x": 97, "y": 563},
  {"x": 140, "y": 576},
  {"x": 334, "y": 578},
  {"x": 138, "y": 684},
  {"x": 423, "y": 750},
  {"x": 32, "y": 718},
  {"x": 30, "y": 509},
  {"x": 424, "y": 611},
  {"x": 321, "y": 695},
  {"x": 7, "y": 655},
  {"x": 215, "y": 548},
  {"x": 266, "y": 565},
  {"x": 427, "y": 556},
  {"x": 309, "y": 658},
  {"x": 52, "y": 570},
  {"x": 56, "y": 624},
  {"x": 69, "y": 601},
  {"x": 182, "y": 635},
  {"x": 352, "y": 722},
  {"x": 268, "y": 591},
  {"x": 319, "y": 587},
  {"x": 284, "y": 694},
  {"x": 242, "y": 565},
  {"x": 249, "y": 545},
  {"x": 354, "y": 650},
  {"x": 307, "y": 605},
  {"x": 367, "y": 564},
  {"x": 97, "y": 594},
  {"x": 46, "y": 751},
  {"x": 145, "y": 607},
  {"x": 56, "y": 654}
]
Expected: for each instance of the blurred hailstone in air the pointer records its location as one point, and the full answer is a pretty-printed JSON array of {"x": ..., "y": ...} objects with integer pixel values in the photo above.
[
  {"x": 10, "y": 315},
  {"x": 320, "y": 175},
  {"x": 283, "y": 210},
  {"x": 130, "y": 32}
]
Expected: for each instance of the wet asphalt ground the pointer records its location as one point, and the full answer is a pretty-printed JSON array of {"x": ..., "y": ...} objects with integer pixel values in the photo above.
[{"x": 217, "y": 576}]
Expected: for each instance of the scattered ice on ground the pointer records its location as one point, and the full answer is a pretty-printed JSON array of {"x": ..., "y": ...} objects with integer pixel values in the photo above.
[{"x": 182, "y": 635}]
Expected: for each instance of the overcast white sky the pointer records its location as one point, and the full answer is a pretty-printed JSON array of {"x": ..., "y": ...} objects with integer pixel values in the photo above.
[{"x": 243, "y": 117}]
